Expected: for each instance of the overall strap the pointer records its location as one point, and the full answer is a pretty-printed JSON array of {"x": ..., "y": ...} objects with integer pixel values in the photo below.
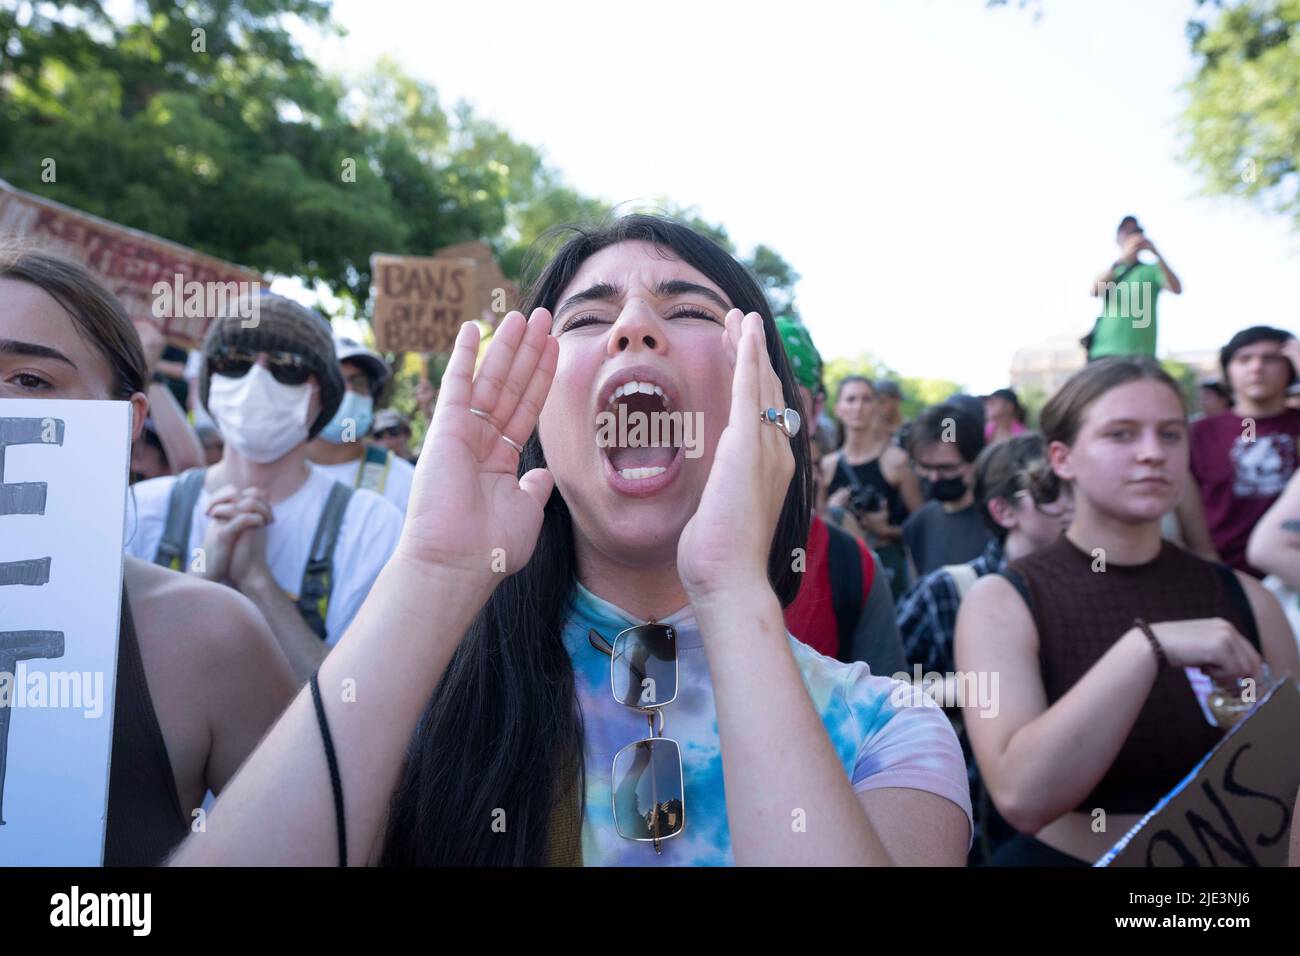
[
  {"x": 318, "y": 577},
  {"x": 173, "y": 549}
]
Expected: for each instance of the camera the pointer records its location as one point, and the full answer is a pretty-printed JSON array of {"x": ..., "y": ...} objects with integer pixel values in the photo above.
[{"x": 865, "y": 500}]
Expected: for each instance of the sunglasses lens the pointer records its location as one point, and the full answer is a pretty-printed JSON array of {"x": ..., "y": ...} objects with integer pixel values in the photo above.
[
  {"x": 645, "y": 666},
  {"x": 230, "y": 364},
  {"x": 289, "y": 368},
  {"x": 648, "y": 792}
]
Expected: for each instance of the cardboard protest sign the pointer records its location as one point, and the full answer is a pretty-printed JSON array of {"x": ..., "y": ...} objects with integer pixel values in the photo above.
[
  {"x": 176, "y": 288},
  {"x": 494, "y": 294},
  {"x": 1234, "y": 808},
  {"x": 421, "y": 301},
  {"x": 63, "y": 478}
]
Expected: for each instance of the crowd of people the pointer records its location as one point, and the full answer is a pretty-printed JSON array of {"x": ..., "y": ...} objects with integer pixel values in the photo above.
[{"x": 419, "y": 650}]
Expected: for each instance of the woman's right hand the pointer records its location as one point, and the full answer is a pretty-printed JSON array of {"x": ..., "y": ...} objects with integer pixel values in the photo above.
[
  {"x": 1212, "y": 644},
  {"x": 468, "y": 511}
]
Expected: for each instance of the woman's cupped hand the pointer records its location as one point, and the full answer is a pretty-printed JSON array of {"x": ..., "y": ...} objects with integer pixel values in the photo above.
[
  {"x": 724, "y": 547},
  {"x": 469, "y": 511}
]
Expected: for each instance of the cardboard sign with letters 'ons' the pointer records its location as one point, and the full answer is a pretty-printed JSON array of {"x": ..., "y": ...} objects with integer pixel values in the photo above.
[
  {"x": 1234, "y": 808},
  {"x": 63, "y": 480}
]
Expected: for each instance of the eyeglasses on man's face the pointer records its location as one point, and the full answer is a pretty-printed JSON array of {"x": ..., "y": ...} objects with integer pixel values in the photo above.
[{"x": 937, "y": 471}]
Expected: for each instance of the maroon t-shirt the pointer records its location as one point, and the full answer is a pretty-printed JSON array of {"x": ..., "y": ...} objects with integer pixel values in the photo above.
[{"x": 1239, "y": 478}]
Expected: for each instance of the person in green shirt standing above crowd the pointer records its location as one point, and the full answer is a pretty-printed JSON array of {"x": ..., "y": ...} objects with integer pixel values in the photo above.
[{"x": 1128, "y": 291}]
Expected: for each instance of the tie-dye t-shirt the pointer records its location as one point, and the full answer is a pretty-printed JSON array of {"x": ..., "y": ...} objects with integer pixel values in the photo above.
[{"x": 885, "y": 735}]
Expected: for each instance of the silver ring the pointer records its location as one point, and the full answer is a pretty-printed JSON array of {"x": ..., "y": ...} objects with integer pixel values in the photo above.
[
  {"x": 483, "y": 415},
  {"x": 788, "y": 421},
  {"x": 513, "y": 444}
]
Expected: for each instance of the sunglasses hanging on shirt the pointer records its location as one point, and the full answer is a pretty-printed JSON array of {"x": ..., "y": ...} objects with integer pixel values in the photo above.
[{"x": 647, "y": 782}]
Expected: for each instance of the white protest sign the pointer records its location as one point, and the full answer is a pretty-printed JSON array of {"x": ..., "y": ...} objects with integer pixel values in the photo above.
[{"x": 63, "y": 478}]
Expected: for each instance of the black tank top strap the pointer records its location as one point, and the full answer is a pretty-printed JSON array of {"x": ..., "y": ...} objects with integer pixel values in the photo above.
[
  {"x": 145, "y": 819},
  {"x": 1017, "y": 581},
  {"x": 1241, "y": 602},
  {"x": 844, "y": 473}
]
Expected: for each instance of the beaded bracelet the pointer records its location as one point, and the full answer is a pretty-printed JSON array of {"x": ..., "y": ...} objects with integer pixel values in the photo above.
[{"x": 1161, "y": 660}]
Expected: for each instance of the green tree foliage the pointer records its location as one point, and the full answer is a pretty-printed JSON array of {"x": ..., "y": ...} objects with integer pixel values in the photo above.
[
  {"x": 1032, "y": 399},
  {"x": 917, "y": 392},
  {"x": 1243, "y": 118},
  {"x": 202, "y": 122},
  {"x": 1185, "y": 376}
]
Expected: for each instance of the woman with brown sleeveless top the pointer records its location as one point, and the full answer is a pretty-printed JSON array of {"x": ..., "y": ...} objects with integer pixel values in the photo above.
[
  {"x": 1090, "y": 635},
  {"x": 200, "y": 677}
]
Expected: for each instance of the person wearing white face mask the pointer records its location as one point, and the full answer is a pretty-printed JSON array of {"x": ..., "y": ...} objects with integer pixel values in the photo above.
[
  {"x": 340, "y": 450},
  {"x": 303, "y": 547}
]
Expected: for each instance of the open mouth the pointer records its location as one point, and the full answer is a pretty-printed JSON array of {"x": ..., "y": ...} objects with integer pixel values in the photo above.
[{"x": 640, "y": 431}]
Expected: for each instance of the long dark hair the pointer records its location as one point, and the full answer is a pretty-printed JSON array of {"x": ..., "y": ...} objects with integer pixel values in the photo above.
[{"x": 503, "y": 731}]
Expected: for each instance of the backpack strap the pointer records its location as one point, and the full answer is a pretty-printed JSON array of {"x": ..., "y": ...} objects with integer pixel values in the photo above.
[
  {"x": 963, "y": 575},
  {"x": 318, "y": 578},
  {"x": 173, "y": 549},
  {"x": 1240, "y": 603},
  {"x": 844, "y": 562},
  {"x": 372, "y": 475},
  {"x": 851, "y": 476}
]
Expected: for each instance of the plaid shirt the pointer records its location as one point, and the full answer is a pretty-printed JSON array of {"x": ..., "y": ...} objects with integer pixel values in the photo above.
[
  {"x": 927, "y": 614},
  {"x": 927, "y": 621}
]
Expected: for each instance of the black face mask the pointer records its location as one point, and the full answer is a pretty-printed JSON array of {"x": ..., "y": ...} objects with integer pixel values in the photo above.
[{"x": 948, "y": 489}]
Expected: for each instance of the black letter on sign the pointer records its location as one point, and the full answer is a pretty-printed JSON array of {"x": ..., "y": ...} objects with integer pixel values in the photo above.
[
  {"x": 1168, "y": 836},
  {"x": 23, "y": 498},
  {"x": 1231, "y": 785},
  {"x": 1237, "y": 847}
]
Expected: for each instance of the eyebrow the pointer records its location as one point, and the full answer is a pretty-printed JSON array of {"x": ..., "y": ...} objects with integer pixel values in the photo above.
[
  {"x": 32, "y": 350},
  {"x": 1133, "y": 421},
  {"x": 668, "y": 289},
  {"x": 600, "y": 292},
  {"x": 675, "y": 287}
]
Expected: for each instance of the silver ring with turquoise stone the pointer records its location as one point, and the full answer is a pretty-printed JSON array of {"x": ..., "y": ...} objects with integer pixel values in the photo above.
[{"x": 788, "y": 421}]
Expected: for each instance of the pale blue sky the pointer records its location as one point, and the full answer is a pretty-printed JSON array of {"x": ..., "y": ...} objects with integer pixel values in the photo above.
[{"x": 946, "y": 177}]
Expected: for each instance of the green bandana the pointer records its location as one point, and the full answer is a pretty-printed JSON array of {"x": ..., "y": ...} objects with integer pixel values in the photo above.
[{"x": 805, "y": 361}]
